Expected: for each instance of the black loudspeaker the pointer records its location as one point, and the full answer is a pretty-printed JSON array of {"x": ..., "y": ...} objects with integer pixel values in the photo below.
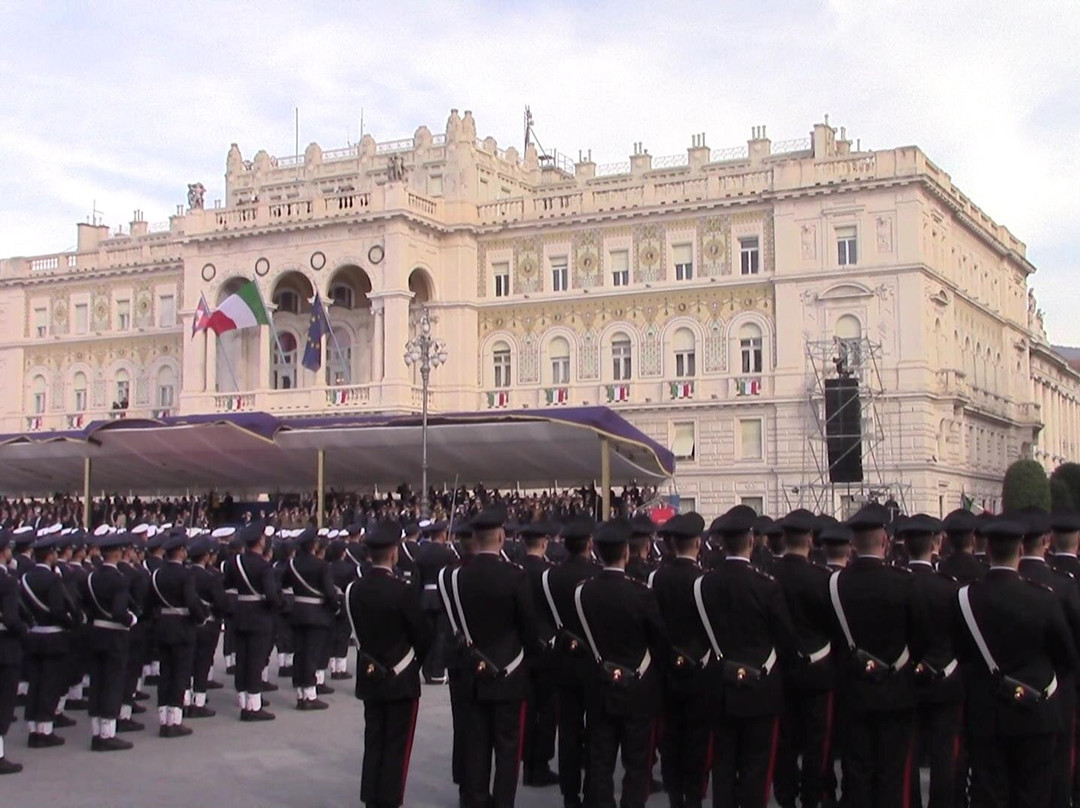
[{"x": 843, "y": 429}]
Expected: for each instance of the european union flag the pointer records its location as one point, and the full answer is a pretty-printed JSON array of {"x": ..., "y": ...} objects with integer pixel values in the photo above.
[{"x": 318, "y": 326}]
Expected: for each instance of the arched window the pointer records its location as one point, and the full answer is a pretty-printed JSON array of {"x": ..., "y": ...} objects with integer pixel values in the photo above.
[
  {"x": 123, "y": 390},
  {"x": 287, "y": 301},
  {"x": 283, "y": 363},
  {"x": 165, "y": 394},
  {"x": 849, "y": 341},
  {"x": 342, "y": 295},
  {"x": 78, "y": 386},
  {"x": 339, "y": 363},
  {"x": 750, "y": 348},
  {"x": 559, "y": 350},
  {"x": 621, "y": 358},
  {"x": 500, "y": 357},
  {"x": 684, "y": 345},
  {"x": 37, "y": 402}
]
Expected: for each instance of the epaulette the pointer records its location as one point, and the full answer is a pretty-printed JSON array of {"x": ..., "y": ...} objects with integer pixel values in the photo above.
[
  {"x": 636, "y": 582},
  {"x": 904, "y": 570},
  {"x": 762, "y": 573},
  {"x": 1039, "y": 585}
]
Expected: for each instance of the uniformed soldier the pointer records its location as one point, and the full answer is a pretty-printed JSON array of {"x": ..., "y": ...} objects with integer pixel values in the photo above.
[
  {"x": 746, "y": 619},
  {"x": 623, "y": 631},
  {"x": 211, "y": 592},
  {"x": 391, "y": 637},
  {"x": 138, "y": 636},
  {"x": 573, "y": 662},
  {"x": 940, "y": 688},
  {"x": 406, "y": 564},
  {"x": 1066, "y": 540},
  {"x": 315, "y": 599},
  {"x": 538, "y": 742},
  {"x": 178, "y": 611},
  {"x": 879, "y": 629},
  {"x": 642, "y": 563},
  {"x": 492, "y": 605},
  {"x": 1014, "y": 643},
  {"x": 12, "y": 630},
  {"x": 763, "y": 555},
  {"x": 107, "y": 595},
  {"x": 431, "y": 557},
  {"x": 258, "y": 598},
  {"x": 685, "y": 741},
  {"x": 457, "y": 664},
  {"x": 1033, "y": 567},
  {"x": 803, "y": 755},
  {"x": 980, "y": 552},
  {"x": 343, "y": 572},
  {"x": 54, "y": 614},
  {"x": 835, "y": 539},
  {"x": 960, "y": 563}
]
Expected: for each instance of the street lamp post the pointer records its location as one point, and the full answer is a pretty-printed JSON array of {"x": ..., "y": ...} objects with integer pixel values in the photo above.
[{"x": 428, "y": 352}]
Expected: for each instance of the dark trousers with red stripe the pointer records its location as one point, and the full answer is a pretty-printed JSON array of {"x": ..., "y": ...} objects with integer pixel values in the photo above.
[
  {"x": 878, "y": 762},
  {"x": 630, "y": 736},
  {"x": 744, "y": 760},
  {"x": 492, "y": 734},
  {"x": 572, "y": 741},
  {"x": 941, "y": 736},
  {"x": 683, "y": 748},
  {"x": 389, "y": 727},
  {"x": 1012, "y": 771},
  {"x": 540, "y": 717},
  {"x": 806, "y": 734}
]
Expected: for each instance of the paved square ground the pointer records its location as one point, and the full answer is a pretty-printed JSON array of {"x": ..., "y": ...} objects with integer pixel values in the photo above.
[{"x": 301, "y": 760}]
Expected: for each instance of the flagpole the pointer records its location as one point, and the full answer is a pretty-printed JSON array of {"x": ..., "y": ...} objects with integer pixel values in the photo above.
[
  {"x": 228, "y": 362},
  {"x": 270, "y": 317},
  {"x": 337, "y": 345}
]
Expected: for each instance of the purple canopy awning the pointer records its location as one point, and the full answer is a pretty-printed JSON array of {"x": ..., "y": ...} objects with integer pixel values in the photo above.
[{"x": 261, "y": 452}]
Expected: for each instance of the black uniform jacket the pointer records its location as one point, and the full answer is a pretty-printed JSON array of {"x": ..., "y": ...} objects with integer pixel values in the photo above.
[
  {"x": 570, "y": 668},
  {"x": 886, "y": 618},
  {"x": 211, "y": 590},
  {"x": 258, "y": 592},
  {"x": 673, "y": 585},
  {"x": 430, "y": 558},
  {"x": 40, "y": 587},
  {"x": 11, "y": 617},
  {"x": 963, "y": 568},
  {"x": 806, "y": 592},
  {"x": 312, "y": 583},
  {"x": 625, "y": 622},
  {"x": 937, "y": 592},
  {"x": 173, "y": 587},
  {"x": 388, "y": 622},
  {"x": 749, "y": 615},
  {"x": 1025, "y": 630},
  {"x": 497, "y": 607}
]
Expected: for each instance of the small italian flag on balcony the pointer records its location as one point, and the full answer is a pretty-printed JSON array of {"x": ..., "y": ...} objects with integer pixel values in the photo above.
[
  {"x": 748, "y": 387},
  {"x": 335, "y": 397},
  {"x": 618, "y": 392},
  {"x": 682, "y": 389},
  {"x": 557, "y": 395},
  {"x": 233, "y": 403},
  {"x": 500, "y": 398}
]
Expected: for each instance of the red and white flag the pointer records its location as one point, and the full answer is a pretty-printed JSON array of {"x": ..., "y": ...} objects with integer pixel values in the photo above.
[{"x": 202, "y": 317}]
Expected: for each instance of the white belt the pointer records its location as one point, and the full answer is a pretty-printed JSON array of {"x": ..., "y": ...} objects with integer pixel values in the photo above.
[
  {"x": 173, "y": 611},
  {"x": 770, "y": 663},
  {"x": 231, "y": 591},
  {"x": 646, "y": 661},
  {"x": 515, "y": 663},
  {"x": 404, "y": 663},
  {"x": 110, "y": 624},
  {"x": 250, "y": 598},
  {"x": 902, "y": 660},
  {"x": 948, "y": 670},
  {"x": 1051, "y": 688},
  {"x": 820, "y": 653},
  {"x": 430, "y": 587},
  {"x": 310, "y": 601},
  {"x": 53, "y": 630}
]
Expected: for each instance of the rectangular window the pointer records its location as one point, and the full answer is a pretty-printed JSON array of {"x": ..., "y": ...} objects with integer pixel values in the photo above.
[
  {"x": 166, "y": 311},
  {"x": 82, "y": 318},
  {"x": 683, "y": 444},
  {"x": 757, "y": 503},
  {"x": 748, "y": 255},
  {"x": 501, "y": 360},
  {"x": 39, "y": 403},
  {"x": 502, "y": 279},
  {"x": 847, "y": 253},
  {"x": 750, "y": 349},
  {"x": 684, "y": 364},
  {"x": 435, "y": 186},
  {"x": 621, "y": 360},
  {"x": 560, "y": 370},
  {"x": 123, "y": 315},
  {"x": 560, "y": 274},
  {"x": 750, "y": 439},
  {"x": 683, "y": 255},
  {"x": 80, "y": 400},
  {"x": 620, "y": 267},
  {"x": 687, "y": 504},
  {"x": 166, "y": 395},
  {"x": 41, "y": 322}
]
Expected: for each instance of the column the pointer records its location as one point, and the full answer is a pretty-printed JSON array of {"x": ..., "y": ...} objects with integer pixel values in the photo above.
[
  {"x": 377, "y": 340},
  {"x": 211, "y": 363},
  {"x": 395, "y": 335},
  {"x": 266, "y": 339}
]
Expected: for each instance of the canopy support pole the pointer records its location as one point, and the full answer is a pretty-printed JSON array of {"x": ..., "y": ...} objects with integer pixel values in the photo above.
[
  {"x": 605, "y": 479},
  {"x": 320, "y": 484},
  {"x": 86, "y": 495}
]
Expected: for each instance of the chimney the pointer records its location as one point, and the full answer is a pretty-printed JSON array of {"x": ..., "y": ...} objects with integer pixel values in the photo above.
[
  {"x": 759, "y": 146},
  {"x": 698, "y": 153},
  {"x": 640, "y": 160},
  {"x": 138, "y": 224},
  {"x": 90, "y": 236}
]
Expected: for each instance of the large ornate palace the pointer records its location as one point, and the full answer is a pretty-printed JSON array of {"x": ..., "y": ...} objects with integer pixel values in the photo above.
[{"x": 707, "y": 296}]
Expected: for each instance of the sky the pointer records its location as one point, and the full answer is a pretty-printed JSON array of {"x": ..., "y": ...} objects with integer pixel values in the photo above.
[{"x": 120, "y": 105}]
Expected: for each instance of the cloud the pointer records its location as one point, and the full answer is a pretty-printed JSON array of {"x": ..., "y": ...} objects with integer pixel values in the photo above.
[{"x": 135, "y": 101}]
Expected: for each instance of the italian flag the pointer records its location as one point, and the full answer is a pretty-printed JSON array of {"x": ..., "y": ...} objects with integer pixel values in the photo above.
[
  {"x": 557, "y": 395},
  {"x": 682, "y": 389},
  {"x": 618, "y": 392},
  {"x": 499, "y": 399},
  {"x": 244, "y": 309}
]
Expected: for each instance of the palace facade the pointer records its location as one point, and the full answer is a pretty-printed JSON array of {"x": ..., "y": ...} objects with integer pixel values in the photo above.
[{"x": 706, "y": 296}]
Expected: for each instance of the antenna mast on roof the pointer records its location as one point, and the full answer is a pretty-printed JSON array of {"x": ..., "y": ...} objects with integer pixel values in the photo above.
[{"x": 531, "y": 138}]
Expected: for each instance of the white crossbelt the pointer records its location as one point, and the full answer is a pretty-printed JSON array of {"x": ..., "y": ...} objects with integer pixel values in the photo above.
[
  {"x": 175, "y": 611},
  {"x": 646, "y": 660},
  {"x": 699, "y": 600},
  {"x": 820, "y": 653},
  {"x": 402, "y": 664},
  {"x": 445, "y": 595},
  {"x": 110, "y": 624},
  {"x": 841, "y": 616},
  {"x": 514, "y": 663}
]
